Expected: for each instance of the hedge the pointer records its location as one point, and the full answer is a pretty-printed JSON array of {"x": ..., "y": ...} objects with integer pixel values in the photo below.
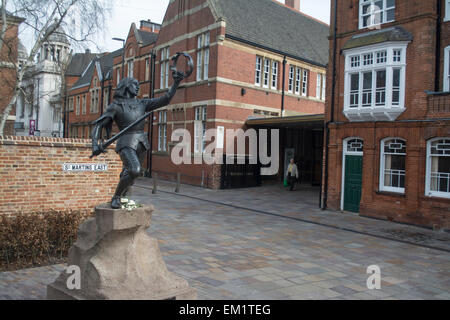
[{"x": 28, "y": 240}]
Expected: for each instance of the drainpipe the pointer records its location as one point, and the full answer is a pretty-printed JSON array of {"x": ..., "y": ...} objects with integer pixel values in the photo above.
[
  {"x": 333, "y": 92},
  {"x": 283, "y": 86},
  {"x": 438, "y": 47}
]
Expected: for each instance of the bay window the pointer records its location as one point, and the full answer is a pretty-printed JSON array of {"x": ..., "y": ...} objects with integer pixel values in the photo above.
[
  {"x": 375, "y": 83},
  {"x": 438, "y": 168},
  {"x": 392, "y": 165}
]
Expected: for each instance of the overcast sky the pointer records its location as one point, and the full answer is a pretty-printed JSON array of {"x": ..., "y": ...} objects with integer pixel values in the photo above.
[{"x": 127, "y": 11}]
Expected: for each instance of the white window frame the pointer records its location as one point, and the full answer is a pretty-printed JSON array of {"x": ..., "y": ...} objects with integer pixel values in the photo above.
[
  {"x": 258, "y": 70},
  {"x": 383, "y": 164},
  {"x": 428, "y": 191},
  {"x": 305, "y": 75},
  {"x": 130, "y": 64},
  {"x": 320, "y": 86},
  {"x": 291, "y": 79},
  {"x": 203, "y": 42},
  {"x": 162, "y": 131},
  {"x": 274, "y": 76},
  {"x": 389, "y": 111},
  {"x": 200, "y": 129},
  {"x": 298, "y": 80},
  {"x": 446, "y": 73},
  {"x": 447, "y": 10},
  {"x": 165, "y": 61},
  {"x": 266, "y": 73},
  {"x": 375, "y": 20}
]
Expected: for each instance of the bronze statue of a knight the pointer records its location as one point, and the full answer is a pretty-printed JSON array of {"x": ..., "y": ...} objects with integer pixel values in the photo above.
[{"x": 128, "y": 113}]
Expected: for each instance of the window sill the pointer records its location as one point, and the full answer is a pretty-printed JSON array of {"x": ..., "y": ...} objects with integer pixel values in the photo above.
[
  {"x": 436, "y": 197},
  {"x": 390, "y": 193},
  {"x": 373, "y": 113}
]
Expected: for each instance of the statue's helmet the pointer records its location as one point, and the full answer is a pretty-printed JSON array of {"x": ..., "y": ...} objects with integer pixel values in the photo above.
[{"x": 125, "y": 85}]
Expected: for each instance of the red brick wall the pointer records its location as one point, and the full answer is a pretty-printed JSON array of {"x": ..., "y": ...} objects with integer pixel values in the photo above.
[
  {"x": 419, "y": 18},
  {"x": 32, "y": 177}
]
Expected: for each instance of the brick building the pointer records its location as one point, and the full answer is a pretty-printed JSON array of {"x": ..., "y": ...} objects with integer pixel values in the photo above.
[
  {"x": 8, "y": 59},
  {"x": 255, "y": 59},
  {"x": 388, "y": 110}
]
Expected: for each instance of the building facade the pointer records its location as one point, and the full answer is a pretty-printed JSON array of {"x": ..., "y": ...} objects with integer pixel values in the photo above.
[
  {"x": 9, "y": 55},
  {"x": 39, "y": 108},
  {"x": 253, "y": 59},
  {"x": 388, "y": 111}
]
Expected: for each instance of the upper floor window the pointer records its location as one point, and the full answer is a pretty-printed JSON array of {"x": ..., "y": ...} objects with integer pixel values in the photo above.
[
  {"x": 438, "y": 168},
  {"x": 447, "y": 10},
  {"x": 83, "y": 108},
  {"x": 130, "y": 69},
  {"x": 147, "y": 69},
  {"x": 446, "y": 83},
  {"x": 203, "y": 56},
  {"x": 70, "y": 105},
  {"x": 258, "y": 70},
  {"x": 162, "y": 131},
  {"x": 320, "y": 87},
  {"x": 77, "y": 106},
  {"x": 392, "y": 165},
  {"x": 200, "y": 129},
  {"x": 298, "y": 81},
  {"x": 375, "y": 12},
  {"x": 118, "y": 76},
  {"x": 375, "y": 79},
  {"x": 165, "y": 65}
]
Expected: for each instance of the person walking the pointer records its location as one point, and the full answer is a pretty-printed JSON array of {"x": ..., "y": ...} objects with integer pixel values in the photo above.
[{"x": 292, "y": 174}]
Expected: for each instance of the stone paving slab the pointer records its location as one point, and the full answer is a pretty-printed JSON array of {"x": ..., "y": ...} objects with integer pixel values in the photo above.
[
  {"x": 231, "y": 253},
  {"x": 304, "y": 204}
]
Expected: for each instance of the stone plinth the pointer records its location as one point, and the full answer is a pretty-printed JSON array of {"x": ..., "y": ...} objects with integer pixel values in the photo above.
[{"x": 119, "y": 260}]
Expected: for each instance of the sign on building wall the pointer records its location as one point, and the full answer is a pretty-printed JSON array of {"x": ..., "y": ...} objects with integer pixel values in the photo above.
[{"x": 85, "y": 167}]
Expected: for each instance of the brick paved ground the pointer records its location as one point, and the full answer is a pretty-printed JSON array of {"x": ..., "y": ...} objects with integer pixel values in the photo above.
[{"x": 232, "y": 253}]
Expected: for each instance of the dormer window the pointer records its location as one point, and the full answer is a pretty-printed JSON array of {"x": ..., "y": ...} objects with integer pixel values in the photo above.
[{"x": 375, "y": 12}]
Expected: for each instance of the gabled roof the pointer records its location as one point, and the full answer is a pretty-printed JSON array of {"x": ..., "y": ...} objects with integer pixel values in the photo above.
[
  {"x": 274, "y": 26},
  {"x": 79, "y": 63},
  {"x": 103, "y": 64},
  {"x": 396, "y": 33}
]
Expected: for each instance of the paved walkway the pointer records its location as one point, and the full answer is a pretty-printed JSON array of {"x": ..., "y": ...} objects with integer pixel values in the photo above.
[{"x": 280, "y": 247}]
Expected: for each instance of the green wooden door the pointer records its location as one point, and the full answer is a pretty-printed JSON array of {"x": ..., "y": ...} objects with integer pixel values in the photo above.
[{"x": 353, "y": 183}]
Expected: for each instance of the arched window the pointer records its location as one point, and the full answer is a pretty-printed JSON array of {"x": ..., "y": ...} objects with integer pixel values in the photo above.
[
  {"x": 392, "y": 165},
  {"x": 438, "y": 168}
]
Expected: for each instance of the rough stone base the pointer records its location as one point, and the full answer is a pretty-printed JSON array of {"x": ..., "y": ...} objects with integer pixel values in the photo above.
[{"x": 119, "y": 261}]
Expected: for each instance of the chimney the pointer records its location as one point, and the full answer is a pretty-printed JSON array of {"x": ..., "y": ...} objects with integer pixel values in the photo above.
[
  {"x": 294, "y": 4},
  {"x": 147, "y": 25}
]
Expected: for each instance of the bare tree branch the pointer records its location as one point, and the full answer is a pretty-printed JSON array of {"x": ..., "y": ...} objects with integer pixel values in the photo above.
[{"x": 45, "y": 18}]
